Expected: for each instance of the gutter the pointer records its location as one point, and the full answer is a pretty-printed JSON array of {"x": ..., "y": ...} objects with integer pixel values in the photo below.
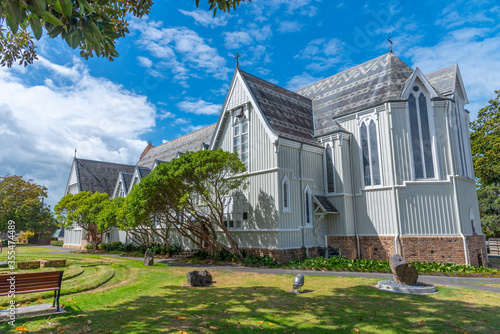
[{"x": 455, "y": 192}]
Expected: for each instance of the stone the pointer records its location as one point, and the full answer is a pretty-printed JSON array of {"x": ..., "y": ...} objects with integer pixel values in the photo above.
[
  {"x": 208, "y": 276},
  {"x": 148, "y": 258},
  {"x": 403, "y": 272},
  {"x": 194, "y": 278}
]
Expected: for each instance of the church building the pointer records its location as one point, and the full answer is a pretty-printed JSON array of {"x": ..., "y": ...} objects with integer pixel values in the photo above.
[{"x": 371, "y": 161}]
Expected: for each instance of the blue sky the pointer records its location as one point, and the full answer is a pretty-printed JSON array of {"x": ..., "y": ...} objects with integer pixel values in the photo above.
[{"x": 175, "y": 66}]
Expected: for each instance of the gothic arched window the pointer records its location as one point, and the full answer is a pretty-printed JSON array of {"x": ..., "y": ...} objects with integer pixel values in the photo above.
[
  {"x": 330, "y": 172},
  {"x": 240, "y": 131},
  {"x": 286, "y": 194},
  {"x": 308, "y": 206},
  {"x": 421, "y": 140},
  {"x": 369, "y": 153}
]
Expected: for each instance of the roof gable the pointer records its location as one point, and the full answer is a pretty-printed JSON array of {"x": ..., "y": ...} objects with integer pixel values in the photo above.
[{"x": 447, "y": 80}]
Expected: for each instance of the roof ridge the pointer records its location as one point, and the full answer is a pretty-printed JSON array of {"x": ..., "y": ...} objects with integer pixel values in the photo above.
[
  {"x": 104, "y": 162},
  {"x": 274, "y": 85}
]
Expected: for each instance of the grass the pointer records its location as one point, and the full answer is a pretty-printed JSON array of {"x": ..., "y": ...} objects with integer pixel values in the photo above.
[{"x": 139, "y": 299}]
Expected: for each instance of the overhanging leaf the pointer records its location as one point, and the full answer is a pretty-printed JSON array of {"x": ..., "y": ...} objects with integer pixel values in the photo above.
[
  {"x": 14, "y": 11},
  {"x": 67, "y": 7},
  {"x": 51, "y": 19},
  {"x": 36, "y": 26}
]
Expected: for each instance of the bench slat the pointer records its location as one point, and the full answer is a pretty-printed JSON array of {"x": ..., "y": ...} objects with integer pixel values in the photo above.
[{"x": 31, "y": 282}]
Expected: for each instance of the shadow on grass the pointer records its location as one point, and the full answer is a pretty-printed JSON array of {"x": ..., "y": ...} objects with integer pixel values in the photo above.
[{"x": 272, "y": 310}]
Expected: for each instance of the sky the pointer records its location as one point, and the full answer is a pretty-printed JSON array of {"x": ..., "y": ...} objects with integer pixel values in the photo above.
[{"x": 174, "y": 68}]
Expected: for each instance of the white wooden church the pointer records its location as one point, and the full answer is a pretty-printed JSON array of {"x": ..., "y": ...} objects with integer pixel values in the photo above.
[{"x": 371, "y": 161}]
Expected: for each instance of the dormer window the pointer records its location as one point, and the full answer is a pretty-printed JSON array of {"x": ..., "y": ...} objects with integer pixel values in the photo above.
[
  {"x": 421, "y": 139},
  {"x": 240, "y": 131}
]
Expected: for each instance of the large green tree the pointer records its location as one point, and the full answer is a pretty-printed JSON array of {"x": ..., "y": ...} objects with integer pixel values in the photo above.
[
  {"x": 24, "y": 202},
  {"x": 190, "y": 194},
  {"x": 93, "y": 26},
  {"x": 84, "y": 209},
  {"x": 485, "y": 143},
  {"x": 485, "y": 146}
]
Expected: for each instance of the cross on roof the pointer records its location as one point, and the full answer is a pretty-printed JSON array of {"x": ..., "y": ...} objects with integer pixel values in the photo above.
[
  {"x": 237, "y": 59},
  {"x": 390, "y": 45},
  {"x": 75, "y": 152}
]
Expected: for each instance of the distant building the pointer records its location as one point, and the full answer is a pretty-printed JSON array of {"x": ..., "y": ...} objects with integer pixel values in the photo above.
[{"x": 372, "y": 161}]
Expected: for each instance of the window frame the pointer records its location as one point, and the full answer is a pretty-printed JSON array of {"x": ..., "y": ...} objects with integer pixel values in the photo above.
[
  {"x": 308, "y": 207},
  {"x": 234, "y": 118},
  {"x": 367, "y": 119},
  {"x": 325, "y": 164},
  {"x": 432, "y": 132},
  {"x": 285, "y": 192}
]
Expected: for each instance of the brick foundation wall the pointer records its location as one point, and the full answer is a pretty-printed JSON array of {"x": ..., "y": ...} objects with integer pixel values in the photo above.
[
  {"x": 441, "y": 249},
  {"x": 283, "y": 255},
  {"x": 477, "y": 250},
  {"x": 346, "y": 246},
  {"x": 83, "y": 246}
]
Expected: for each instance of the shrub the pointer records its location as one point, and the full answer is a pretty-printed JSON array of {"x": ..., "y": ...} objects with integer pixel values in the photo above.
[
  {"x": 90, "y": 246},
  {"x": 57, "y": 242},
  {"x": 202, "y": 254}
]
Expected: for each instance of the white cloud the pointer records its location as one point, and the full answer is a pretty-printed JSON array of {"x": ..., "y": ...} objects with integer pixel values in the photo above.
[
  {"x": 180, "y": 50},
  {"x": 145, "y": 62},
  {"x": 289, "y": 26},
  {"x": 236, "y": 39},
  {"x": 199, "y": 107},
  {"x": 323, "y": 53},
  {"x": 42, "y": 124},
  {"x": 477, "y": 65},
  {"x": 300, "y": 81},
  {"x": 206, "y": 18},
  {"x": 459, "y": 14}
]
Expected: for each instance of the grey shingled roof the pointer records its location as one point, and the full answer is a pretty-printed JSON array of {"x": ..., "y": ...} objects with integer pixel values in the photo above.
[
  {"x": 289, "y": 114},
  {"x": 325, "y": 204},
  {"x": 127, "y": 177},
  {"x": 98, "y": 176},
  {"x": 372, "y": 83},
  {"x": 143, "y": 171},
  {"x": 191, "y": 142},
  {"x": 444, "y": 79}
]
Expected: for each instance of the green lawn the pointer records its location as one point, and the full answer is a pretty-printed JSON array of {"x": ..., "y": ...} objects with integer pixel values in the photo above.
[{"x": 139, "y": 299}]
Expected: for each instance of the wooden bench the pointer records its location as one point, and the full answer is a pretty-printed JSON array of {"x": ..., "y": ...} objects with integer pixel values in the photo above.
[{"x": 32, "y": 282}]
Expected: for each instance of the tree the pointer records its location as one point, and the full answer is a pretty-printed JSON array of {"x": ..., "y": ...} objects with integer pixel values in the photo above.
[
  {"x": 190, "y": 194},
  {"x": 485, "y": 146},
  {"x": 489, "y": 207},
  {"x": 485, "y": 143},
  {"x": 83, "y": 209},
  {"x": 93, "y": 26},
  {"x": 24, "y": 202}
]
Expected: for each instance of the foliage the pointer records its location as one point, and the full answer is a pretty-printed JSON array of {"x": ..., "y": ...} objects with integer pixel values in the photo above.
[
  {"x": 83, "y": 209},
  {"x": 190, "y": 194},
  {"x": 93, "y": 26},
  {"x": 485, "y": 146},
  {"x": 489, "y": 207},
  {"x": 23, "y": 202},
  {"x": 57, "y": 242},
  {"x": 485, "y": 143},
  {"x": 337, "y": 263},
  {"x": 156, "y": 248},
  {"x": 265, "y": 261}
]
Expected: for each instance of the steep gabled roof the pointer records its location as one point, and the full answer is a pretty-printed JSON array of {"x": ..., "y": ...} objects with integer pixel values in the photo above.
[
  {"x": 369, "y": 84},
  {"x": 143, "y": 171},
  {"x": 444, "y": 79},
  {"x": 191, "y": 142},
  {"x": 288, "y": 114},
  {"x": 127, "y": 180},
  {"x": 98, "y": 176}
]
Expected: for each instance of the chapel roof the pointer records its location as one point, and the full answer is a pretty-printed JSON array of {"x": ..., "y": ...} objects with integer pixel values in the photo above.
[
  {"x": 443, "y": 80},
  {"x": 372, "y": 83},
  {"x": 97, "y": 176},
  {"x": 191, "y": 142},
  {"x": 288, "y": 114},
  {"x": 127, "y": 180}
]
